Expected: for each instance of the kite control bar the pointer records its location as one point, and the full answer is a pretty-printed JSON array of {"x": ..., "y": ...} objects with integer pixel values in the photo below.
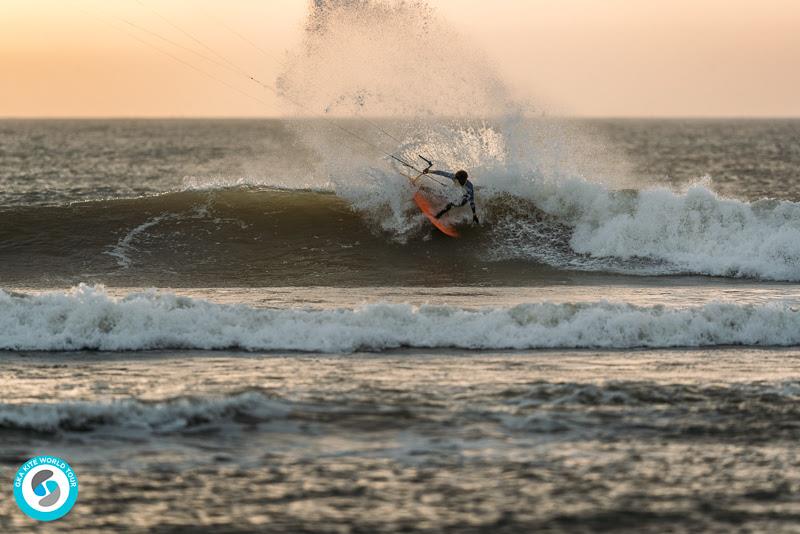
[
  {"x": 426, "y": 160},
  {"x": 421, "y": 172},
  {"x": 425, "y": 172}
]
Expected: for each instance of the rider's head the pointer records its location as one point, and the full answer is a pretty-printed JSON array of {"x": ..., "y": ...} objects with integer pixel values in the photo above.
[{"x": 462, "y": 176}]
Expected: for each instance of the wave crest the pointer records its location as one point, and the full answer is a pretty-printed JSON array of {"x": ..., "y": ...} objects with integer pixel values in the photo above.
[{"x": 87, "y": 318}]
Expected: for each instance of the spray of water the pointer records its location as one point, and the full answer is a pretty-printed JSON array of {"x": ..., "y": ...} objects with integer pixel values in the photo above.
[{"x": 408, "y": 75}]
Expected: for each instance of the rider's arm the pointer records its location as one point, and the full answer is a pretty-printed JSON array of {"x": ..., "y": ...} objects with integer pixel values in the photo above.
[
  {"x": 445, "y": 174},
  {"x": 469, "y": 196}
]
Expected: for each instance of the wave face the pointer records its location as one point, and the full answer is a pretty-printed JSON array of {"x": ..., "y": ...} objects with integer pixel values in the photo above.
[
  {"x": 263, "y": 237},
  {"x": 87, "y": 318}
]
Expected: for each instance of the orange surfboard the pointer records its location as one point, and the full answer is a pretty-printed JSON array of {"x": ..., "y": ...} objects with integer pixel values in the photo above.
[{"x": 425, "y": 208}]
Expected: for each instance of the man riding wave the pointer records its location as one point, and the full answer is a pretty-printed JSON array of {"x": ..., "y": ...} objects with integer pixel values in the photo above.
[{"x": 462, "y": 178}]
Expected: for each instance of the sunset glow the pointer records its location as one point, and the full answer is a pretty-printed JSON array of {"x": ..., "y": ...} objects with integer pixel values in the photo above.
[{"x": 574, "y": 57}]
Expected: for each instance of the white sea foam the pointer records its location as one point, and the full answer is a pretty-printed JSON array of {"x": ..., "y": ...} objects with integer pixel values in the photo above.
[
  {"x": 693, "y": 231},
  {"x": 87, "y": 318},
  {"x": 165, "y": 416},
  {"x": 125, "y": 246}
]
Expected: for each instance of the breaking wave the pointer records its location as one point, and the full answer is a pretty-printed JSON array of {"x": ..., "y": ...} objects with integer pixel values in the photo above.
[
  {"x": 549, "y": 407},
  {"x": 656, "y": 231},
  {"x": 87, "y": 318},
  {"x": 167, "y": 416},
  {"x": 372, "y": 237}
]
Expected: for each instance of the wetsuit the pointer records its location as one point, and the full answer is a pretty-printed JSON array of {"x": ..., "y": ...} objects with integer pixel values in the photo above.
[{"x": 469, "y": 195}]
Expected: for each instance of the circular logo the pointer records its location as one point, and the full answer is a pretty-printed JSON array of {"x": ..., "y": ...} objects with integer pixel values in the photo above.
[{"x": 46, "y": 488}]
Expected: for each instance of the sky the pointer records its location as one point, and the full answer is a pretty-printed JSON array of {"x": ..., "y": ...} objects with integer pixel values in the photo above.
[{"x": 597, "y": 58}]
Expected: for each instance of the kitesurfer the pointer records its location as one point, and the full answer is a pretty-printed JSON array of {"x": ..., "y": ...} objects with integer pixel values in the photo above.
[{"x": 462, "y": 178}]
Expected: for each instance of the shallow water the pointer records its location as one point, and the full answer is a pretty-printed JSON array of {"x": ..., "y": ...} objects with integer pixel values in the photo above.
[{"x": 646, "y": 440}]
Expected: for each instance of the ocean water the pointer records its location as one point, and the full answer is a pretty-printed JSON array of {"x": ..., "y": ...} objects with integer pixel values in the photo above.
[{"x": 246, "y": 324}]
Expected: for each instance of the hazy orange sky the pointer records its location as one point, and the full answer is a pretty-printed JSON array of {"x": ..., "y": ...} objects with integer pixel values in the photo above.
[{"x": 67, "y": 58}]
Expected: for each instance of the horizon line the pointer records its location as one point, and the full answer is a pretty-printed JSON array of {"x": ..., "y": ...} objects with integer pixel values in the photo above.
[{"x": 389, "y": 117}]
